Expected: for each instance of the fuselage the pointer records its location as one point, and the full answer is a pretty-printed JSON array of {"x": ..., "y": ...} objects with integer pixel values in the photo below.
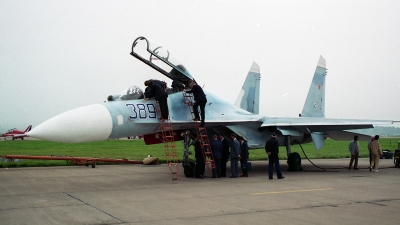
[{"x": 124, "y": 118}]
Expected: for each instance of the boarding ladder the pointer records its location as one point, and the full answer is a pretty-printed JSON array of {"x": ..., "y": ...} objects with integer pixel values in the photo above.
[
  {"x": 165, "y": 132},
  {"x": 201, "y": 133}
]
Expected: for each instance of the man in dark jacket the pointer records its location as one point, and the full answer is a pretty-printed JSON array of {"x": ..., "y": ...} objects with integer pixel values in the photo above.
[
  {"x": 234, "y": 156},
  {"x": 244, "y": 156},
  {"x": 225, "y": 154},
  {"x": 155, "y": 91},
  {"x": 272, "y": 149},
  {"x": 200, "y": 164},
  {"x": 200, "y": 100},
  {"x": 216, "y": 148}
]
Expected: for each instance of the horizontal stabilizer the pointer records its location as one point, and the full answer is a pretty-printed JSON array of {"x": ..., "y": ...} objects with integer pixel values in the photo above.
[
  {"x": 316, "y": 124},
  {"x": 346, "y": 136}
]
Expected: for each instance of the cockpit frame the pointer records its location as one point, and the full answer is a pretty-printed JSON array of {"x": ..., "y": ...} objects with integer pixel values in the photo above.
[{"x": 178, "y": 71}]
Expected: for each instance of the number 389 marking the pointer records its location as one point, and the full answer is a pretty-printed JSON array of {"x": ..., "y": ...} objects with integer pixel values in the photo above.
[{"x": 142, "y": 111}]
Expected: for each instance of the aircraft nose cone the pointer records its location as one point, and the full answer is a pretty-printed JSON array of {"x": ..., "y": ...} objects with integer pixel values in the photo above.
[{"x": 84, "y": 124}]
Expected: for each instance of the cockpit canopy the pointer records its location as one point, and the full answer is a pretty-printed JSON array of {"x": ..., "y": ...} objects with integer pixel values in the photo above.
[
  {"x": 132, "y": 93},
  {"x": 160, "y": 59}
]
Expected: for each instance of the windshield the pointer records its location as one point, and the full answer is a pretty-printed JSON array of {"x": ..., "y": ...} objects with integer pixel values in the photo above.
[{"x": 132, "y": 93}]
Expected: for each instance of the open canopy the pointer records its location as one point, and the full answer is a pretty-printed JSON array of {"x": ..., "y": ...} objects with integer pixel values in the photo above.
[{"x": 160, "y": 59}]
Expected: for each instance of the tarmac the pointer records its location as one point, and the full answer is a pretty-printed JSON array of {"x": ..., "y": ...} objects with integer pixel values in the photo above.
[{"x": 146, "y": 194}]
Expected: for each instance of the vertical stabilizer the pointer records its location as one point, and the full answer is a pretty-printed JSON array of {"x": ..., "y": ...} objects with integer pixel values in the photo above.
[
  {"x": 28, "y": 129},
  {"x": 249, "y": 96},
  {"x": 315, "y": 102}
]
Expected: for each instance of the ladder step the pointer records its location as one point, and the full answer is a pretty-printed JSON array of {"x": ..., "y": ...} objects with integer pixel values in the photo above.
[
  {"x": 202, "y": 133},
  {"x": 165, "y": 132}
]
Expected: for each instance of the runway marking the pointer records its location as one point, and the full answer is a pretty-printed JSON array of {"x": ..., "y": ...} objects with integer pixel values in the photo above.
[{"x": 294, "y": 191}]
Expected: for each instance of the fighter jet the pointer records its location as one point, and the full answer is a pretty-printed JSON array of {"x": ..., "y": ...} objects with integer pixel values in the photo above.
[
  {"x": 15, "y": 134},
  {"x": 129, "y": 114}
]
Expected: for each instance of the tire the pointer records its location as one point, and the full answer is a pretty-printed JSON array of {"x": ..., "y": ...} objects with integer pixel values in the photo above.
[
  {"x": 294, "y": 162},
  {"x": 188, "y": 169}
]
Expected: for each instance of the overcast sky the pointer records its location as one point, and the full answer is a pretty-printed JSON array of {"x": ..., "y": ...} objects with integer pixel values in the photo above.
[{"x": 60, "y": 55}]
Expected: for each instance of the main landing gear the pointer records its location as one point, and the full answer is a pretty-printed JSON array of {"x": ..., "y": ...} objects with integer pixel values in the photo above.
[
  {"x": 187, "y": 163},
  {"x": 294, "y": 159}
]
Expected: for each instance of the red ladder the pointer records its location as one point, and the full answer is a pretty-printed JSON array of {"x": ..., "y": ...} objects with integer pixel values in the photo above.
[
  {"x": 201, "y": 133},
  {"x": 165, "y": 132}
]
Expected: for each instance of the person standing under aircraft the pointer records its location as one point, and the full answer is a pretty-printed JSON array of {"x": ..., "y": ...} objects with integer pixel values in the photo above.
[
  {"x": 376, "y": 152},
  {"x": 216, "y": 148},
  {"x": 354, "y": 148},
  {"x": 200, "y": 100},
  {"x": 244, "y": 156},
  {"x": 370, "y": 155},
  {"x": 235, "y": 156},
  {"x": 200, "y": 164},
  {"x": 224, "y": 154},
  {"x": 154, "y": 90},
  {"x": 272, "y": 149}
]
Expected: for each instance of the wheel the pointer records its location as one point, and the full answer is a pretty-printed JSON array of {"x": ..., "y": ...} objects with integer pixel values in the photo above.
[
  {"x": 93, "y": 165},
  {"x": 188, "y": 169},
  {"x": 294, "y": 162}
]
